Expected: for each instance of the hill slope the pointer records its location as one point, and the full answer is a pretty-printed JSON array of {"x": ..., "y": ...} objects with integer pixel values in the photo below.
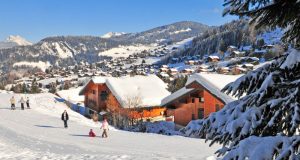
[{"x": 38, "y": 133}]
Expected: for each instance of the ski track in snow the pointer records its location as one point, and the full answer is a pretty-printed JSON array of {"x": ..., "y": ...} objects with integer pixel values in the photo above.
[{"x": 38, "y": 134}]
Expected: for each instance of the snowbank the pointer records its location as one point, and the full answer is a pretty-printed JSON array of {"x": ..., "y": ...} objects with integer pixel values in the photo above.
[
  {"x": 71, "y": 95},
  {"x": 125, "y": 51},
  {"x": 161, "y": 127},
  {"x": 42, "y": 65}
]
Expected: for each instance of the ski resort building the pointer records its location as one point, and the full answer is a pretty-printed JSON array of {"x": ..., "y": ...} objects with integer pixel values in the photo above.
[
  {"x": 200, "y": 97},
  {"x": 137, "y": 97}
]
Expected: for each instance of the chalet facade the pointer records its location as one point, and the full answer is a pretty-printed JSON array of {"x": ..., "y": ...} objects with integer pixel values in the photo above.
[
  {"x": 138, "y": 97},
  {"x": 200, "y": 97}
]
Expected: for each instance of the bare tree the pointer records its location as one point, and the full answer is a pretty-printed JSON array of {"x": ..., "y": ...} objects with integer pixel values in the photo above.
[{"x": 133, "y": 103}]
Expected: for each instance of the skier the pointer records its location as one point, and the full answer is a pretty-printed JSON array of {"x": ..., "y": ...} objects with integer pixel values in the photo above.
[
  {"x": 27, "y": 103},
  {"x": 22, "y": 101},
  {"x": 13, "y": 103},
  {"x": 105, "y": 128},
  {"x": 65, "y": 118},
  {"x": 91, "y": 133}
]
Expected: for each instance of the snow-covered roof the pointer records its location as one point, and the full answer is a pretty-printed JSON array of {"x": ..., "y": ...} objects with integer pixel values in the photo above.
[
  {"x": 213, "y": 57},
  {"x": 150, "y": 89},
  {"x": 175, "y": 95},
  {"x": 214, "y": 83}
]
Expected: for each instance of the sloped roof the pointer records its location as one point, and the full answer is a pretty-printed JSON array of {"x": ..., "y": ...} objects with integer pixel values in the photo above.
[
  {"x": 181, "y": 92},
  {"x": 150, "y": 89},
  {"x": 214, "y": 83}
]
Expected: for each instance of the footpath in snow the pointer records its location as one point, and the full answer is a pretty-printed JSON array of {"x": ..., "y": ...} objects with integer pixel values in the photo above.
[{"x": 38, "y": 133}]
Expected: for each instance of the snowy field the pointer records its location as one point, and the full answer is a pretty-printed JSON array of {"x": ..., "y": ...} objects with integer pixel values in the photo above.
[{"x": 37, "y": 133}]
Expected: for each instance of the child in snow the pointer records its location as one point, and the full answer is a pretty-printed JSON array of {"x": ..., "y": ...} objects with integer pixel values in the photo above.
[
  {"x": 91, "y": 133},
  {"x": 65, "y": 118},
  {"x": 13, "y": 103},
  {"x": 27, "y": 103},
  {"x": 22, "y": 101},
  {"x": 105, "y": 128}
]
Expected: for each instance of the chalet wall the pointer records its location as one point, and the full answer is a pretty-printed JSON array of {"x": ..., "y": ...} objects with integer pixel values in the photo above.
[
  {"x": 210, "y": 102},
  {"x": 91, "y": 96},
  {"x": 187, "y": 107},
  {"x": 93, "y": 100}
]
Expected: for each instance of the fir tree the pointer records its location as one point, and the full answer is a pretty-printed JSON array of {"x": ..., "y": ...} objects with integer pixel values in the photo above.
[
  {"x": 267, "y": 115},
  {"x": 269, "y": 13},
  {"x": 35, "y": 87}
]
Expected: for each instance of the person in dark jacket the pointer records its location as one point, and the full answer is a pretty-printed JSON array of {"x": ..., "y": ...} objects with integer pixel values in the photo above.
[
  {"x": 27, "y": 103},
  {"x": 22, "y": 101},
  {"x": 65, "y": 118}
]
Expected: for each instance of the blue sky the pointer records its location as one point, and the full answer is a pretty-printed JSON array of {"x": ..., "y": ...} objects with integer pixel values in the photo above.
[{"x": 37, "y": 19}]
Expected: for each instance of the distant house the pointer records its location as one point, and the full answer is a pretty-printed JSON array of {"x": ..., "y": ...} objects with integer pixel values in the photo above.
[
  {"x": 203, "y": 68},
  {"x": 237, "y": 53},
  {"x": 231, "y": 49},
  {"x": 108, "y": 93},
  {"x": 190, "y": 62},
  {"x": 248, "y": 66},
  {"x": 223, "y": 70},
  {"x": 200, "y": 97},
  {"x": 173, "y": 71},
  {"x": 188, "y": 70},
  {"x": 238, "y": 70},
  {"x": 213, "y": 58},
  {"x": 258, "y": 53}
]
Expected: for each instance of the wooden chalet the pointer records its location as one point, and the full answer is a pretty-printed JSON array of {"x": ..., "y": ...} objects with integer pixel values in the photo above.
[
  {"x": 200, "y": 97},
  {"x": 137, "y": 97}
]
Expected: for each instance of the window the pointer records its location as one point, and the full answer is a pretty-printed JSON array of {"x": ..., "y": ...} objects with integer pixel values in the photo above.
[
  {"x": 193, "y": 100},
  {"x": 217, "y": 107},
  {"x": 103, "y": 95},
  {"x": 202, "y": 99},
  {"x": 200, "y": 113},
  {"x": 93, "y": 91}
]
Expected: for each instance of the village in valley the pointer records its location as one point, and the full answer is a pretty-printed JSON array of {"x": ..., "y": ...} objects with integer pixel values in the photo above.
[
  {"x": 184, "y": 90},
  {"x": 98, "y": 88}
]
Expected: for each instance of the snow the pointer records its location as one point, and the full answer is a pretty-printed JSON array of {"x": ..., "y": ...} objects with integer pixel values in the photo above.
[
  {"x": 38, "y": 134},
  {"x": 125, "y": 51},
  {"x": 18, "y": 40},
  {"x": 212, "y": 81},
  {"x": 181, "y": 44},
  {"x": 215, "y": 83},
  {"x": 292, "y": 59},
  {"x": 176, "y": 95},
  {"x": 62, "y": 52},
  {"x": 13, "y": 41},
  {"x": 181, "y": 31},
  {"x": 72, "y": 95},
  {"x": 42, "y": 65},
  {"x": 214, "y": 57},
  {"x": 262, "y": 147},
  {"x": 59, "y": 49},
  {"x": 150, "y": 89},
  {"x": 112, "y": 34},
  {"x": 158, "y": 127}
]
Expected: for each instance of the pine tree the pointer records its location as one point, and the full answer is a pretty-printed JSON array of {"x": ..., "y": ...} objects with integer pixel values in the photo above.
[
  {"x": 265, "y": 122},
  {"x": 269, "y": 13}
]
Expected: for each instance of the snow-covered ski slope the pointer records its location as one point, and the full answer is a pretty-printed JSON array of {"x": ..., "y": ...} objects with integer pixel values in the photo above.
[{"x": 38, "y": 133}]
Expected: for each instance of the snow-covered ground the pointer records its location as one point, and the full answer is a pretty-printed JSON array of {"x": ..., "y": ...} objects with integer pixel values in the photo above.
[
  {"x": 42, "y": 65},
  {"x": 38, "y": 134},
  {"x": 125, "y": 51}
]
